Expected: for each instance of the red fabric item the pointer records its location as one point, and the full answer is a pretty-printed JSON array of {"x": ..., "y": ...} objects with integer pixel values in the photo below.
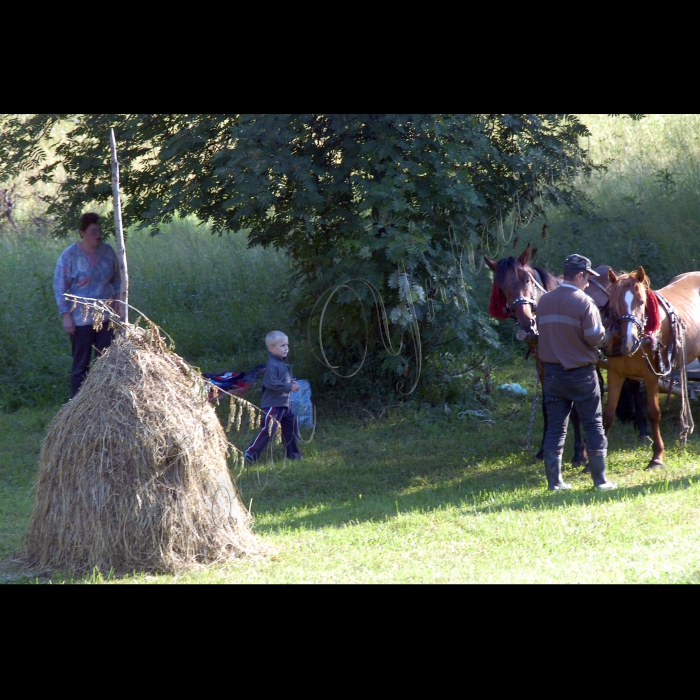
[
  {"x": 497, "y": 305},
  {"x": 653, "y": 316}
]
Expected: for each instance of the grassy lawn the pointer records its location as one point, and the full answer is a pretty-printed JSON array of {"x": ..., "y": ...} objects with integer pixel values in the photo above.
[
  {"x": 410, "y": 493},
  {"x": 420, "y": 496}
]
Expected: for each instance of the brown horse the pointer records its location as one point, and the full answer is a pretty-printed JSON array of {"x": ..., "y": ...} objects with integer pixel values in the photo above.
[
  {"x": 656, "y": 333},
  {"x": 517, "y": 287}
]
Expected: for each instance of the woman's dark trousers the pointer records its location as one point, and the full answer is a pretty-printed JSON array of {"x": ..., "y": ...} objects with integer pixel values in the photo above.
[{"x": 82, "y": 343}]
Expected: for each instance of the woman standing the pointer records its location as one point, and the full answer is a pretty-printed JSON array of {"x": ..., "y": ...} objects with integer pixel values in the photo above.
[{"x": 88, "y": 268}]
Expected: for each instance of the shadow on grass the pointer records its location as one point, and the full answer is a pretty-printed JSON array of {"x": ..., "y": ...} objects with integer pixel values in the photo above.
[
  {"x": 471, "y": 499},
  {"x": 406, "y": 480},
  {"x": 385, "y": 469}
]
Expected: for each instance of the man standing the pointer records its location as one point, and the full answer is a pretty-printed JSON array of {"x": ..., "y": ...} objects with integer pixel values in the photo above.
[
  {"x": 88, "y": 268},
  {"x": 570, "y": 330}
]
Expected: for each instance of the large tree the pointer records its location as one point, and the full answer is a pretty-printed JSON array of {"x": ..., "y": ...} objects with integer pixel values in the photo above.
[{"x": 405, "y": 202}]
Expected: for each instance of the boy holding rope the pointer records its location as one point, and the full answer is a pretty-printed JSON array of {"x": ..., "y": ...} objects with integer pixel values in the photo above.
[{"x": 277, "y": 383}]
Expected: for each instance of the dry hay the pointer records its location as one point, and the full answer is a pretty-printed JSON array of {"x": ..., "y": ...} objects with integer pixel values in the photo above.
[{"x": 133, "y": 473}]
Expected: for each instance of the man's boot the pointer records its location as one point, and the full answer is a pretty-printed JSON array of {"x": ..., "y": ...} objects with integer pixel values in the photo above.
[
  {"x": 552, "y": 468},
  {"x": 597, "y": 465}
]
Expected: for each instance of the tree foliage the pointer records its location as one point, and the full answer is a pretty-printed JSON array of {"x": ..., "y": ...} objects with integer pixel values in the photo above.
[{"x": 406, "y": 203}]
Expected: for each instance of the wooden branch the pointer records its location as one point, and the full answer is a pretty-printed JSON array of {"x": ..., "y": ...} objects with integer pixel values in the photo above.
[{"x": 123, "y": 309}]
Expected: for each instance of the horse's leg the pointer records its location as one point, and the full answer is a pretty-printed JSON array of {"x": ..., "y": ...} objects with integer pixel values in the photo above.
[
  {"x": 615, "y": 382},
  {"x": 654, "y": 414},
  {"x": 640, "y": 408}
]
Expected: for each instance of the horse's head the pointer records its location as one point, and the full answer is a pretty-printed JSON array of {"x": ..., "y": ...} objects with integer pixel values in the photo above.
[
  {"x": 628, "y": 304},
  {"x": 514, "y": 280}
]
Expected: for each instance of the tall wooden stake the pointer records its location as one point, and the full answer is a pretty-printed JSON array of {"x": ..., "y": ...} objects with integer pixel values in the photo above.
[{"x": 123, "y": 309}]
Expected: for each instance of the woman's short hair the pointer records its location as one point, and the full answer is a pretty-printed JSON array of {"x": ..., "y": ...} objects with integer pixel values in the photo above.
[{"x": 88, "y": 219}]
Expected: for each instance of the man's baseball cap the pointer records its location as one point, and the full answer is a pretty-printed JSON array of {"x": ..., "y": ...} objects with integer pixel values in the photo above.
[{"x": 580, "y": 263}]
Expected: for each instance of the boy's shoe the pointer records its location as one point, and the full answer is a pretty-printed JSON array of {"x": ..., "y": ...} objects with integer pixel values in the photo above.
[
  {"x": 297, "y": 457},
  {"x": 248, "y": 458}
]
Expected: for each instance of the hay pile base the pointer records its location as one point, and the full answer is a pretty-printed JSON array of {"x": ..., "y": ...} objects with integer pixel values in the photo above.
[{"x": 133, "y": 473}]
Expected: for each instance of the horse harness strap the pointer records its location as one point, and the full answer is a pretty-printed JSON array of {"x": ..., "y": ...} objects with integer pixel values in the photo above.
[
  {"x": 537, "y": 284},
  {"x": 676, "y": 357},
  {"x": 668, "y": 359},
  {"x": 599, "y": 285}
]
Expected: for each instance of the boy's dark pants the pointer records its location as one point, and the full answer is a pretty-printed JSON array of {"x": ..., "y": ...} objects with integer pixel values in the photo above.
[
  {"x": 82, "y": 342},
  {"x": 272, "y": 416}
]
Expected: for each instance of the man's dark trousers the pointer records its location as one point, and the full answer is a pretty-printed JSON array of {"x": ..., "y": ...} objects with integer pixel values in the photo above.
[
  {"x": 82, "y": 342},
  {"x": 564, "y": 388}
]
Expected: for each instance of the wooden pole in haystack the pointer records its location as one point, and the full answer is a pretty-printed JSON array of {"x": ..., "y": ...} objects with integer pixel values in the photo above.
[{"x": 123, "y": 309}]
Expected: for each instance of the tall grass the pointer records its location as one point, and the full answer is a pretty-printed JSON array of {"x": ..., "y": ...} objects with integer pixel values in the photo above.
[
  {"x": 644, "y": 207},
  {"x": 212, "y": 294},
  {"x": 216, "y": 297},
  {"x": 34, "y": 352}
]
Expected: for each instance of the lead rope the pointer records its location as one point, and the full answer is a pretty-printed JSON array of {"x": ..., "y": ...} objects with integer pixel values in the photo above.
[
  {"x": 534, "y": 406},
  {"x": 687, "y": 424},
  {"x": 676, "y": 357}
]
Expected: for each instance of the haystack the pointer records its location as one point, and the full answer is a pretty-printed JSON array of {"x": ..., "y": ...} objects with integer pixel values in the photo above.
[{"x": 133, "y": 473}]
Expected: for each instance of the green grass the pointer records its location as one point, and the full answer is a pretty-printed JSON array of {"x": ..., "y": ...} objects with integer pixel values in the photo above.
[
  {"x": 644, "y": 207},
  {"x": 21, "y": 434},
  {"x": 418, "y": 496},
  {"x": 212, "y": 294}
]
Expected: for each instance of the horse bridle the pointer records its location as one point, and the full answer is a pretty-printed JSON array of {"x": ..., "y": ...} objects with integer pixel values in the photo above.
[
  {"x": 527, "y": 300},
  {"x": 616, "y": 327},
  {"x": 667, "y": 362}
]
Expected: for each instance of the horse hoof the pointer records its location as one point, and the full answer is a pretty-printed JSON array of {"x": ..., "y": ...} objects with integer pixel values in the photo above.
[
  {"x": 654, "y": 465},
  {"x": 586, "y": 469}
]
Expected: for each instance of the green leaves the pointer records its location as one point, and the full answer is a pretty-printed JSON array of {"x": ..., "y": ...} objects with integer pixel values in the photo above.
[{"x": 346, "y": 195}]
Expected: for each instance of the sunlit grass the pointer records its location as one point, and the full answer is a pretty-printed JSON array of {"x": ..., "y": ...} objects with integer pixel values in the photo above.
[
  {"x": 644, "y": 209},
  {"x": 424, "y": 497}
]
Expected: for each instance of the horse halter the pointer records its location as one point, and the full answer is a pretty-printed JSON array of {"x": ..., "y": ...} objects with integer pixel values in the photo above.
[
  {"x": 527, "y": 300},
  {"x": 532, "y": 301},
  {"x": 631, "y": 318}
]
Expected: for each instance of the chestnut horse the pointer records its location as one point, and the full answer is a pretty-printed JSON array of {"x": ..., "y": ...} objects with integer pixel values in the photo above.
[
  {"x": 657, "y": 332},
  {"x": 517, "y": 287}
]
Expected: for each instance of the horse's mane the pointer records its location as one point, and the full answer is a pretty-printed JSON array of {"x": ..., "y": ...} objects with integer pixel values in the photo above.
[
  {"x": 548, "y": 280},
  {"x": 504, "y": 265}
]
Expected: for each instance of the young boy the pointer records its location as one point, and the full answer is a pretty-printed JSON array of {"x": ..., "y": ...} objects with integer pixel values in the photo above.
[{"x": 276, "y": 385}]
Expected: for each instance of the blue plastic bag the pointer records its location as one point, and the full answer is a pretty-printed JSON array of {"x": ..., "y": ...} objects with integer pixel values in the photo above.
[
  {"x": 300, "y": 404},
  {"x": 513, "y": 388}
]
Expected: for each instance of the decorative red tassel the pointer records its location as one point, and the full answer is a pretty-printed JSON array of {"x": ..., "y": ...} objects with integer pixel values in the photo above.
[
  {"x": 497, "y": 305},
  {"x": 653, "y": 316}
]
